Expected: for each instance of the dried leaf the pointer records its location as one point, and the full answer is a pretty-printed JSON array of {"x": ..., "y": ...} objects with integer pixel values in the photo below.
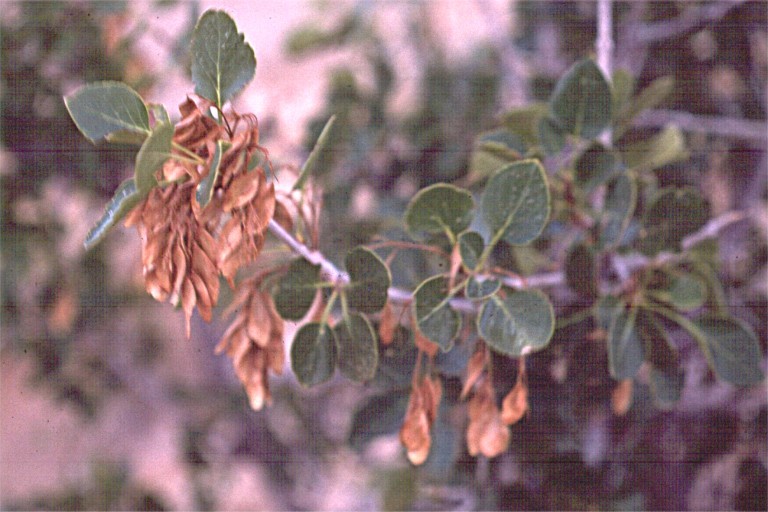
[
  {"x": 475, "y": 368},
  {"x": 621, "y": 397},
  {"x": 424, "y": 344},
  {"x": 387, "y": 325},
  {"x": 515, "y": 404},
  {"x": 414, "y": 434}
]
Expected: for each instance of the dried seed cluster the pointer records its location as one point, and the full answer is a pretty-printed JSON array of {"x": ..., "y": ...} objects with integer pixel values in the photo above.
[{"x": 186, "y": 245}]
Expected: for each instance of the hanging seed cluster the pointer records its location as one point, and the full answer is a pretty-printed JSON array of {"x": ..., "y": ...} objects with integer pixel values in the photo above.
[{"x": 186, "y": 245}]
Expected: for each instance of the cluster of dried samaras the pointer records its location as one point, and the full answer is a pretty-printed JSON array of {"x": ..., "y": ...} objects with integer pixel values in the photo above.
[
  {"x": 488, "y": 429},
  {"x": 186, "y": 246}
]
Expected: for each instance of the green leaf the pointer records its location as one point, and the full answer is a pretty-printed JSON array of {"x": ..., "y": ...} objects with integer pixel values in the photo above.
[
  {"x": 551, "y": 136},
  {"x": 222, "y": 62},
  {"x": 716, "y": 299},
  {"x": 389, "y": 411},
  {"x": 581, "y": 101},
  {"x": 369, "y": 280},
  {"x": 619, "y": 206},
  {"x": 656, "y": 92},
  {"x": 594, "y": 167},
  {"x": 471, "y": 245},
  {"x": 477, "y": 289},
  {"x": 731, "y": 348},
  {"x": 159, "y": 113},
  {"x": 625, "y": 350},
  {"x": 520, "y": 323},
  {"x": 683, "y": 291},
  {"x": 581, "y": 270},
  {"x": 322, "y": 146},
  {"x": 296, "y": 290},
  {"x": 109, "y": 109},
  {"x": 666, "y": 386},
  {"x": 439, "y": 208},
  {"x": 126, "y": 197},
  {"x": 313, "y": 354},
  {"x": 672, "y": 215},
  {"x": 666, "y": 147},
  {"x": 357, "y": 348},
  {"x": 432, "y": 310},
  {"x": 515, "y": 204},
  {"x": 524, "y": 121},
  {"x": 660, "y": 351},
  {"x": 494, "y": 149},
  {"x": 152, "y": 155},
  {"x": 623, "y": 85},
  {"x": 204, "y": 191}
]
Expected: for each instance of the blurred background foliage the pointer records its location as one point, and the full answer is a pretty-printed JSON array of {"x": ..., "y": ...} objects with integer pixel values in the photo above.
[{"x": 146, "y": 420}]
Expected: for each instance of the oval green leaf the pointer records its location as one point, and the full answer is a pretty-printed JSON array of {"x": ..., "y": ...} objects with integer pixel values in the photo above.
[
  {"x": 471, "y": 246},
  {"x": 666, "y": 386},
  {"x": 664, "y": 148},
  {"x": 625, "y": 350},
  {"x": 620, "y": 201},
  {"x": 296, "y": 290},
  {"x": 439, "y": 208},
  {"x": 492, "y": 150},
  {"x": 732, "y": 349},
  {"x": 516, "y": 202},
  {"x": 581, "y": 270},
  {"x": 358, "y": 354},
  {"x": 594, "y": 167},
  {"x": 673, "y": 214},
  {"x": 581, "y": 101},
  {"x": 313, "y": 354},
  {"x": 369, "y": 280},
  {"x": 434, "y": 316},
  {"x": 551, "y": 136},
  {"x": 515, "y": 325},
  {"x": 109, "y": 109},
  {"x": 152, "y": 155},
  {"x": 222, "y": 62},
  {"x": 126, "y": 197}
]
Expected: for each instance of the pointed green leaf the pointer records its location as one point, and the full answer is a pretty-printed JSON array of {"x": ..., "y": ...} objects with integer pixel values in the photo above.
[
  {"x": 159, "y": 113},
  {"x": 594, "y": 167},
  {"x": 581, "y": 270},
  {"x": 716, "y": 299},
  {"x": 439, "y": 208},
  {"x": 581, "y": 101},
  {"x": 619, "y": 206},
  {"x": 515, "y": 205},
  {"x": 732, "y": 349},
  {"x": 357, "y": 348},
  {"x": 666, "y": 386},
  {"x": 434, "y": 316},
  {"x": 551, "y": 136},
  {"x": 126, "y": 197},
  {"x": 104, "y": 109},
  {"x": 656, "y": 92},
  {"x": 515, "y": 325},
  {"x": 471, "y": 246},
  {"x": 673, "y": 214},
  {"x": 323, "y": 145},
  {"x": 296, "y": 290},
  {"x": 664, "y": 148},
  {"x": 204, "y": 191},
  {"x": 369, "y": 280},
  {"x": 313, "y": 354},
  {"x": 152, "y": 155},
  {"x": 625, "y": 350},
  {"x": 683, "y": 291},
  {"x": 479, "y": 289},
  {"x": 222, "y": 62},
  {"x": 623, "y": 85}
]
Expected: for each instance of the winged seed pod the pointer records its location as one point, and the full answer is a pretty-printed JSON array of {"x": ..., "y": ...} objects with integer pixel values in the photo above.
[{"x": 186, "y": 243}]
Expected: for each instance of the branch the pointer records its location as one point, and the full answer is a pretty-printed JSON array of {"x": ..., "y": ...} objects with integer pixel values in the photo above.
[
  {"x": 723, "y": 126},
  {"x": 626, "y": 264},
  {"x": 690, "y": 19},
  {"x": 604, "y": 48}
]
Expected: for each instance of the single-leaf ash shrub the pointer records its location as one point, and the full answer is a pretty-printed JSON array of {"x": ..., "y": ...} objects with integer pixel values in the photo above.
[{"x": 203, "y": 200}]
